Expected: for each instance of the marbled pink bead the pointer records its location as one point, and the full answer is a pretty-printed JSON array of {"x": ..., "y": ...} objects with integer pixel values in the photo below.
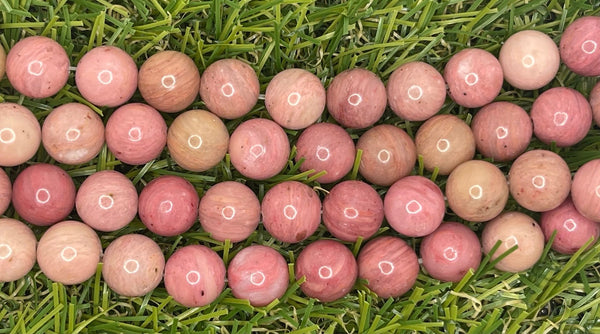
[
  {"x": 330, "y": 270},
  {"x": 450, "y": 251},
  {"x": 195, "y": 276},
  {"x": 389, "y": 265},
  {"x": 352, "y": 209},
  {"x": 37, "y": 67},
  {"x": 259, "y": 274},
  {"x": 136, "y": 133},
  {"x": 229, "y": 210},
  {"x": 573, "y": 230},
  {"x": 326, "y": 147},
  {"x": 168, "y": 205},
  {"x": 474, "y": 77},
  {"x": 43, "y": 194},
  {"x": 414, "y": 206},
  {"x": 291, "y": 211},
  {"x": 107, "y": 201}
]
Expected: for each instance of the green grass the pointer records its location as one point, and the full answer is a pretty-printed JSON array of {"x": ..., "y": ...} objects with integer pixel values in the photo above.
[{"x": 559, "y": 294}]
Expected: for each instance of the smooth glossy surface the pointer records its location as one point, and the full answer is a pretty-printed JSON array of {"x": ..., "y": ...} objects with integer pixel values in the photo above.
[
  {"x": 43, "y": 194},
  {"x": 352, "y": 209},
  {"x": 416, "y": 91},
  {"x": 229, "y": 88},
  {"x": 106, "y": 76},
  {"x": 133, "y": 265},
  {"x": 529, "y": 59},
  {"x": 450, "y": 251},
  {"x": 197, "y": 140},
  {"x": 229, "y": 210},
  {"x": 474, "y": 77},
  {"x": 73, "y": 134},
  {"x": 388, "y": 154},
  {"x": 579, "y": 46},
  {"x": 107, "y": 201},
  {"x": 169, "y": 81},
  {"x": 330, "y": 270},
  {"x": 389, "y": 265},
  {"x": 326, "y": 147},
  {"x": 168, "y": 205},
  {"x": 259, "y": 148},
  {"x": 585, "y": 190},
  {"x": 195, "y": 276},
  {"x": 445, "y": 141},
  {"x": 291, "y": 211},
  {"x": 20, "y": 134},
  {"x": 539, "y": 180},
  {"x": 573, "y": 230},
  {"x": 17, "y": 249},
  {"x": 295, "y": 98},
  {"x": 258, "y": 274},
  {"x": 514, "y": 229},
  {"x": 69, "y": 252},
  {"x": 136, "y": 133},
  {"x": 37, "y": 67},
  {"x": 477, "y": 191},
  {"x": 356, "y": 98},
  {"x": 414, "y": 206},
  {"x": 561, "y": 115},
  {"x": 502, "y": 130}
]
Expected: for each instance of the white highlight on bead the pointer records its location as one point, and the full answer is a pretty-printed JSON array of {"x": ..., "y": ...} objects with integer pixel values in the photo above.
[
  {"x": 322, "y": 153},
  {"x": 325, "y": 272},
  {"x": 68, "y": 254},
  {"x": 538, "y": 181},
  {"x": 11, "y": 133},
  {"x": 350, "y": 213},
  {"x": 105, "y": 77},
  {"x": 166, "y": 206},
  {"x": 355, "y": 99},
  {"x": 501, "y": 132},
  {"x": 135, "y": 134},
  {"x": 257, "y": 150},
  {"x": 227, "y": 90},
  {"x": 386, "y": 267},
  {"x": 511, "y": 241},
  {"x": 168, "y": 81},
  {"x": 195, "y": 141},
  {"x": 560, "y": 118},
  {"x": 570, "y": 225},
  {"x": 33, "y": 71},
  {"x": 476, "y": 192},
  {"x": 287, "y": 214},
  {"x": 294, "y": 98},
  {"x": 131, "y": 262},
  {"x": 450, "y": 254},
  {"x": 589, "y": 46},
  {"x": 598, "y": 191},
  {"x": 105, "y": 198},
  {"x": 412, "y": 203},
  {"x": 5, "y": 251},
  {"x": 528, "y": 61},
  {"x": 42, "y": 192},
  {"x": 228, "y": 212},
  {"x": 72, "y": 134},
  {"x": 384, "y": 156},
  {"x": 257, "y": 278},
  {"x": 443, "y": 145},
  {"x": 471, "y": 79},
  {"x": 192, "y": 277},
  {"x": 415, "y": 92}
]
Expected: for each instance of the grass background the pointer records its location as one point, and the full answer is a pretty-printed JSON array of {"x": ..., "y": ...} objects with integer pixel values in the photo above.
[{"x": 560, "y": 294}]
